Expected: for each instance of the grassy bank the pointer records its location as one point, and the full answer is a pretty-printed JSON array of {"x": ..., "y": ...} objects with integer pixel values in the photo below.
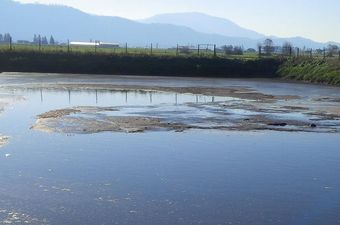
[
  {"x": 90, "y": 63},
  {"x": 311, "y": 70}
]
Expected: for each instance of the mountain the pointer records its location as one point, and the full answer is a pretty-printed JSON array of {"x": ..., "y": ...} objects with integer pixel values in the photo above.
[
  {"x": 22, "y": 21},
  {"x": 25, "y": 20},
  {"x": 204, "y": 23}
]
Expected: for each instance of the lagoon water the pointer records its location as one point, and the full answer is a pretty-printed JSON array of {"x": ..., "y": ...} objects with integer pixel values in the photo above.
[{"x": 194, "y": 177}]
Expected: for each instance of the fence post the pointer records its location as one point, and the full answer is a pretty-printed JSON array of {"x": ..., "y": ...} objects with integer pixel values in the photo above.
[
  {"x": 10, "y": 43},
  {"x": 151, "y": 49},
  {"x": 126, "y": 48},
  {"x": 39, "y": 44},
  {"x": 177, "y": 48},
  {"x": 198, "y": 50},
  {"x": 215, "y": 51},
  {"x": 260, "y": 51},
  {"x": 95, "y": 46},
  {"x": 68, "y": 46}
]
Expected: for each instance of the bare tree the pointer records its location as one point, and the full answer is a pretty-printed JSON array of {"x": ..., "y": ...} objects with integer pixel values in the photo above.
[
  {"x": 332, "y": 50},
  {"x": 287, "y": 49},
  {"x": 268, "y": 46},
  {"x": 228, "y": 49}
]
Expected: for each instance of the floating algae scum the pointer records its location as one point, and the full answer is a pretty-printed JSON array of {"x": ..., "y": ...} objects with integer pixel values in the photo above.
[{"x": 152, "y": 150}]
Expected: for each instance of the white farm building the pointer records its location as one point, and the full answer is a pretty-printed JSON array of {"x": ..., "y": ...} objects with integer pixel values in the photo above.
[{"x": 95, "y": 44}]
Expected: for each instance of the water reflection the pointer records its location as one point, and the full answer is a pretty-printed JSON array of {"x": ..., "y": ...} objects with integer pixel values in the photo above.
[{"x": 114, "y": 98}]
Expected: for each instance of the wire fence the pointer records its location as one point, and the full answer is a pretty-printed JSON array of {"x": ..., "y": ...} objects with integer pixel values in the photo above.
[{"x": 201, "y": 50}]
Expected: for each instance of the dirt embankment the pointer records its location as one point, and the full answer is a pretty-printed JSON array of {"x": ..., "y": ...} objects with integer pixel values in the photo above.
[{"x": 115, "y": 64}]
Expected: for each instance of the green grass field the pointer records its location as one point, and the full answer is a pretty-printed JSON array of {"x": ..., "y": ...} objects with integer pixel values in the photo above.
[{"x": 123, "y": 51}]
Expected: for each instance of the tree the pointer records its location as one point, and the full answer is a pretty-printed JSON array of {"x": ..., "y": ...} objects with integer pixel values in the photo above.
[
  {"x": 332, "y": 49},
  {"x": 228, "y": 49},
  {"x": 52, "y": 41},
  {"x": 7, "y": 38},
  {"x": 44, "y": 41},
  {"x": 287, "y": 48},
  {"x": 238, "y": 50},
  {"x": 36, "y": 39},
  {"x": 251, "y": 50},
  {"x": 268, "y": 46},
  {"x": 232, "y": 50}
]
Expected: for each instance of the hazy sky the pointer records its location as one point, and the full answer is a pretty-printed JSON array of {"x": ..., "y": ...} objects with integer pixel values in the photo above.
[{"x": 315, "y": 19}]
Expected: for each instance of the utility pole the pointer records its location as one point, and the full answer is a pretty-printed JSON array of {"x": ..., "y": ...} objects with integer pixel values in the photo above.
[
  {"x": 68, "y": 46},
  {"x": 151, "y": 49},
  {"x": 95, "y": 46},
  {"x": 126, "y": 48},
  {"x": 177, "y": 48},
  {"x": 198, "y": 50},
  {"x": 215, "y": 51}
]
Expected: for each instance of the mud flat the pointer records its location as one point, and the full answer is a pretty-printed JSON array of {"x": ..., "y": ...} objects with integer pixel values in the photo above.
[
  {"x": 92, "y": 120},
  {"x": 85, "y": 120}
]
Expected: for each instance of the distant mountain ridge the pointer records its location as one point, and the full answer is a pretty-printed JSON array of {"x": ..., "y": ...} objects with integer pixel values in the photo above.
[
  {"x": 22, "y": 21},
  {"x": 204, "y": 23}
]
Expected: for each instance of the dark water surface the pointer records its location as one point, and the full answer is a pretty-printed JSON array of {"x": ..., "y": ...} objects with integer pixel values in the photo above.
[{"x": 153, "y": 178}]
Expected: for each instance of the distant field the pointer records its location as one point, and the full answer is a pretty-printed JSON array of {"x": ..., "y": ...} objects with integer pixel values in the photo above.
[
  {"x": 125, "y": 51},
  {"x": 172, "y": 52}
]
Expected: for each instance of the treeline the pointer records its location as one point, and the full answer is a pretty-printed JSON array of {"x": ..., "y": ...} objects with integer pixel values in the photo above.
[
  {"x": 5, "y": 38},
  {"x": 42, "y": 40},
  {"x": 268, "y": 48},
  {"x": 37, "y": 39}
]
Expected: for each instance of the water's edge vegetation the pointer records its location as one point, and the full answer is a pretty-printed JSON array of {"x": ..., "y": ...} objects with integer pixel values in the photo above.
[
  {"x": 311, "y": 70},
  {"x": 303, "y": 69}
]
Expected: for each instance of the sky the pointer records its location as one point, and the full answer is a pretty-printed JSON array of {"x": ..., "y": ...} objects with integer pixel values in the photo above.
[{"x": 315, "y": 19}]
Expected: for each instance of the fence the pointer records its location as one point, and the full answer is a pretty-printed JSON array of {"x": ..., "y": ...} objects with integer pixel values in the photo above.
[{"x": 200, "y": 50}]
